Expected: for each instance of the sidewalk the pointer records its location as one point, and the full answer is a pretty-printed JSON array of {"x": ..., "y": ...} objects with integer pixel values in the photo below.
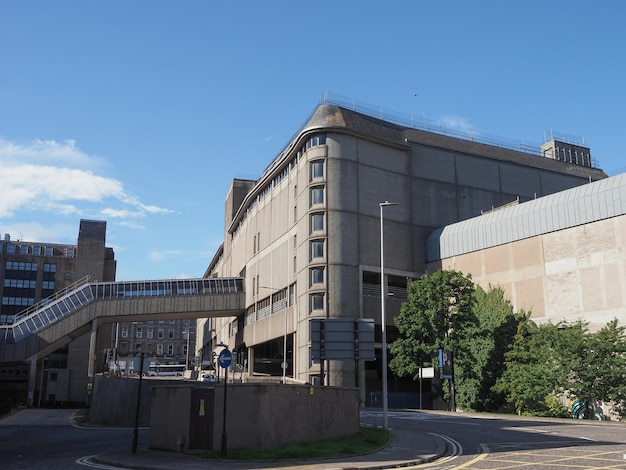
[{"x": 406, "y": 448}]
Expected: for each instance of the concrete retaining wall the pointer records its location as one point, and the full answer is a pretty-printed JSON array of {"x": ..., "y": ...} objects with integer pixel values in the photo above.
[
  {"x": 258, "y": 415},
  {"x": 114, "y": 400}
]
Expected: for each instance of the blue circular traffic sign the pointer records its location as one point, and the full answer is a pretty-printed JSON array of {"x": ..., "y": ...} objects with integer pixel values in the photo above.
[{"x": 225, "y": 358}]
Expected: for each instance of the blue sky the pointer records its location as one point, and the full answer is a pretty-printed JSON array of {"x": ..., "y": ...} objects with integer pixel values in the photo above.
[{"x": 141, "y": 113}]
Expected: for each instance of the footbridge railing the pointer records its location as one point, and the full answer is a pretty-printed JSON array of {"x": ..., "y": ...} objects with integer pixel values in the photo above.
[{"x": 81, "y": 293}]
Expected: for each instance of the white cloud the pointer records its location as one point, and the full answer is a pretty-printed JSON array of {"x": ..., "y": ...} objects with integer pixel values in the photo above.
[
  {"x": 59, "y": 178},
  {"x": 161, "y": 255},
  {"x": 457, "y": 123},
  {"x": 32, "y": 231}
]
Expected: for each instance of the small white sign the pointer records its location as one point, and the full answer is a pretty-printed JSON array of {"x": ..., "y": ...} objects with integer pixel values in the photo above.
[{"x": 427, "y": 372}]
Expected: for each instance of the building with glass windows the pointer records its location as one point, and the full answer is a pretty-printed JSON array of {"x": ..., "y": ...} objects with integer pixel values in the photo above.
[
  {"x": 306, "y": 234},
  {"x": 31, "y": 272}
]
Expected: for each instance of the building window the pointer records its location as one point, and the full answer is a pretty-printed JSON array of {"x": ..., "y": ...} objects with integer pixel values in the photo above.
[
  {"x": 137, "y": 346},
  {"x": 37, "y": 250},
  {"x": 161, "y": 333},
  {"x": 138, "y": 332},
  {"x": 20, "y": 266},
  {"x": 160, "y": 349},
  {"x": 150, "y": 333},
  {"x": 49, "y": 268},
  {"x": 69, "y": 252},
  {"x": 11, "y": 249},
  {"x": 317, "y": 222},
  {"x": 170, "y": 334},
  {"x": 49, "y": 251},
  {"x": 317, "y": 169},
  {"x": 317, "y": 249},
  {"x": 124, "y": 332},
  {"x": 170, "y": 349},
  {"x": 68, "y": 276},
  {"x": 317, "y": 302},
  {"x": 23, "y": 249},
  {"x": 317, "y": 195},
  {"x": 316, "y": 140},
  {"x": 317, "y": 276}
]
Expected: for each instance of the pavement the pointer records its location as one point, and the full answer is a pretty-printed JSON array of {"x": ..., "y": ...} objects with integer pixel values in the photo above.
[{"x": 407, "y": 447}]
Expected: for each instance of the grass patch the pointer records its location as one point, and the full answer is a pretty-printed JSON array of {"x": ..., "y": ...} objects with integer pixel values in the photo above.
[{"x": 365, "y": 441}]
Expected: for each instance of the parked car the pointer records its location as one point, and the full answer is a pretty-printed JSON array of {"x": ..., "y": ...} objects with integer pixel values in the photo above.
[{"x": 206, "y": 377}]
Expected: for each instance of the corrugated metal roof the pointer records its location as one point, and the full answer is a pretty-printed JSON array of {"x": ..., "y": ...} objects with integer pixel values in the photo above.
[{"x": 591, "y": 202}]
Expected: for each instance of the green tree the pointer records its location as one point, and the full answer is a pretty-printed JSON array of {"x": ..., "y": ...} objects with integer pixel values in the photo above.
[
  {"x": 494, "y": 335},
  {"x": 538, "y": 365},
  {"x": 598, "y": 367},
  {"x": 438, "y": 310}
]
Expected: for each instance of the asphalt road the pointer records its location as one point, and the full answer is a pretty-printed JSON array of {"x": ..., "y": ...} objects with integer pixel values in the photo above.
[
  {"x": 492, "y": 442},
  {"x": 45, "y": 439},
  {"x": 38, "y": 439}
]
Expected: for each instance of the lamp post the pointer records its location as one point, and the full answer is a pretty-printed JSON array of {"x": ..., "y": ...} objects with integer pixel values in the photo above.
[
  {"x": 187, "y": 358},
  {"x": 383, "y": 320},
  {"x": 136, "y": 429},
  {"x": 284, "y": 364}
]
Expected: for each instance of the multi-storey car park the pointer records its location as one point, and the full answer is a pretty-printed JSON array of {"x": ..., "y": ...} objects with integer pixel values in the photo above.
[{"x": 305, "y": 236}]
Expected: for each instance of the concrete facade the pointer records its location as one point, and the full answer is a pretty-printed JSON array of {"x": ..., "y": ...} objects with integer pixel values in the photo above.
[
  {"x": 257, "y": 415},
  {"x": 562, "y": 257},
  {"x": 306, "y": 234}
]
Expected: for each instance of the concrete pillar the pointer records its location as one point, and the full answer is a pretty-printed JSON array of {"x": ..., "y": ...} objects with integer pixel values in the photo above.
[
  {"x": 93, "y": 336},
  {"x": 32, "y": 376},
  {"x": 250, "y": 361}
]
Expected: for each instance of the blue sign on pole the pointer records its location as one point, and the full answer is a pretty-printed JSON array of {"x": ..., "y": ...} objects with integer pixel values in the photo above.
[{"x": 225, "y": 358}]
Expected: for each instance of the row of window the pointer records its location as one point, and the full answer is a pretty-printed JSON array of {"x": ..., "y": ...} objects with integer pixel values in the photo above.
[
  {"x": 160, "y": 349},
  {"x": 20, "y": 283},
  {"x": 149, "y": 333},
  {"x": 30, "y": 267},
  {"x": 21, "y": 266},
  {"x": 36, "y": 250},
  {"x": 24, "y": 301},
  {"x": 316, "y": 172},
  {"x": 28, "y": 284}
]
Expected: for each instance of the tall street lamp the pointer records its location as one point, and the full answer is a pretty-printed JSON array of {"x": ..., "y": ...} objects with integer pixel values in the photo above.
[
  {"x": 187, "y": 358},
  {"x": 383, "y": 320}
]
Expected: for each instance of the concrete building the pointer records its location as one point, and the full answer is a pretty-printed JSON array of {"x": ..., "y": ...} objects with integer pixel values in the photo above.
[
  {"x": 34, "y": 271},
  {"x": 31, "y": 271},
  {"x": 306, "y": 234},
  {"x": 561, "y": 257}
]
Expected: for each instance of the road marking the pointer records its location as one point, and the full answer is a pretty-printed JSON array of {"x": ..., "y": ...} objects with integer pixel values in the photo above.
[{"x": 86, "y": 461}]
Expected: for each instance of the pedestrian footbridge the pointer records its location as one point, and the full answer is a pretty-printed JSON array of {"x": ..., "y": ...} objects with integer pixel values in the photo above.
[{"x": 80, "y": 308}]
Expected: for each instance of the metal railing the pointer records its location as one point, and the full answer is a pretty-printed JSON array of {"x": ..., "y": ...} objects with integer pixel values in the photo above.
[
  {"x": 437, "y": 126},
  {"x": 48, "y": 300}
]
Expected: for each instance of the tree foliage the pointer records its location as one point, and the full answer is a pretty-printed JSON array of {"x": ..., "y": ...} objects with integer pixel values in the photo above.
[
  {"x": 532, "y": 370},
  {"x": 438, "y": 309},
  {"x": 497, "y": 327},
  {"x": 599, "y": 369},
  {"x": 565, "y": 360},
  {"x": 501, "y": 355}
]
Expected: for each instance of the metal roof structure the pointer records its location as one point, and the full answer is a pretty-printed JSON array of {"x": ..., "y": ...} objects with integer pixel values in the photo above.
[{"x": 584, "y": 204}]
